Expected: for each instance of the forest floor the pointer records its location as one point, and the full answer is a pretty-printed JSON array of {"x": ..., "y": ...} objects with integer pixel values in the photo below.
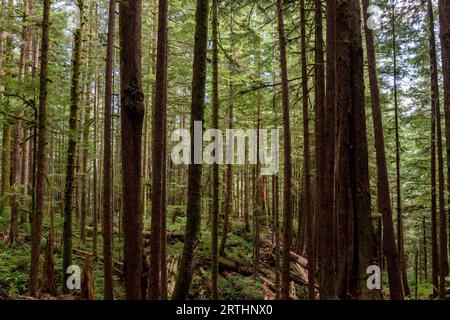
[{"x": 236, "y": 280}]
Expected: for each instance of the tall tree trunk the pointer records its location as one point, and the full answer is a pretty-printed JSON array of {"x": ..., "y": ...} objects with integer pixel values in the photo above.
[
  {"x": 229, "y": 169},
  {"x": 95, "y": 213},
  {"x": 17, "y": 140},
  {"x": 157, "y": 151},
  {"x": 383, "y": 191},
  {"x": 7, "y": 128},
  {"x": 425, "y": 250},
  {"x": 434, "y": 243},
  {"x": 327, "y": 135},
  {"x": 107, "y": 156},
  {"x": 86, "y": 126},
  {"x": 41, "y": 154},
  {"x": 216, "y": 181},
  {"x": 2, "y": 29},
  {"x": 400, "y": 240},
  {"x": 287, "y": 199},
  {"x": 163, "y": 256},
  {"x": 195, "y": 170},
  {"x": 355, "y": 250},
  {"x": 6, "y": 144},
  {"x": 258, "y": 181},
  {"x": 132, "y": 116},
  {"x": 444, "y": 19},
  {"x": 306, "y": 158},
  {"x": 24, "y": 61},
  {"x": 436, "y": 134},
  {"x": 72, "y": 144}
]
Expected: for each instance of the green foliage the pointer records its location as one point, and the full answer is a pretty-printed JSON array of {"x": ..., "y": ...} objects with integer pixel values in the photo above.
[
  {"x": 14, "y": 268},
  {"x": 240, "y": 288}
]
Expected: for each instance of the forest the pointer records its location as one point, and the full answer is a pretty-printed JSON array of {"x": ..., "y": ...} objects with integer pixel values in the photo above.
[{"x": 225, "y": 149}]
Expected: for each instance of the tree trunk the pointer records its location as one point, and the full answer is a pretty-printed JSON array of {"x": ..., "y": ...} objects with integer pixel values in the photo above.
[
  {"x": 6, "y": 145},
  {"x": 41, "y": 156},
  {"x": 216, "y": 181},
  {"x": 383, "y": 191},
  {"x": 7, "y": 127},
  {"x": 287, "y": 199},
  {"x": 400, "y": 240},
  {"x": 132, "y": 116},
  {"x": 436, "y": 134},
  {"x": 444, "y": 18},
  {"x": 107, "y": 156},
  {"x": 195, "y": 170},
  {"x": 352, "y": 192},
  {"x": 17, "y": 141},
  {"x": 229, "y": 168},
  {"x": 2, "y": 29},
  {"x": 157, "y": 151},
  {"x": 72, "y": 145},
  {"x": 306, "y": 158},
  {"x": 86, "y": 126},
  {"x": 327, "y": 135}
]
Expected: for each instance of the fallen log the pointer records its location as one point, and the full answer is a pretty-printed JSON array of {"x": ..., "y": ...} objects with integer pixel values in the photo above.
[
  {"x": 117, "y": 265},
  {"x": 171, "y": 236},
  {"x": 230, "y": 265},
  {"x": 302, "y": 261},
  {"x": 226, "y": 264}
]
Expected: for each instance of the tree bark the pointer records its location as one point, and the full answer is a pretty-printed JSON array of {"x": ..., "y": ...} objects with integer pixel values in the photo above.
[
  {"x": 327, "y": 135},
  {"x": 86, "y": 126},
  {"x": 435, "y": 134},
  {"x": 400, "y": 240},
  {"x": 41, "y": 155},
  {"x": 352, "y": 193},
  {"x": 287, "y": 199},
  {"x": 383, "y": 191},
  {"x": 72, "y": 145},
  {"x": 444, "y": 19},
  {"x": 195, "y": 170},
  {"x": 229, "y": 168},
  {"x": 107, "y": 156},
  {"x": 158, "y": 157},
  {"x": 306, "y": 158},
  {"x": 216, "y": 181},
  {"x": 132, "y": 116}
]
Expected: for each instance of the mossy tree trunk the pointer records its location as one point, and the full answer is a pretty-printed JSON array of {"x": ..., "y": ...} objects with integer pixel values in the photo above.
[{"x": 72, "y": 144}]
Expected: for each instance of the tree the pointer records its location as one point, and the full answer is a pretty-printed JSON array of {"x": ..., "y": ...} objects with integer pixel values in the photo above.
[
  {"x": 287, "y": 199},
  {"x": 229, "y": 168},
  {"x": 216, "y": 181},
  {"x": 86, "y": 123},
  {"x": 2, "y": 29},
  {"x": 354, "y": 228},
  {"x": 184, "y": 277},
  {"x": 383, "y": 191},
  {"x": 42, "y": 156},
  {"x": 326, "y": 160},
  {"x": 72, "y": 143},
  {"x": 6, "y": 130},
  {"x": 306, "y": 158},
  {"x": 158, "y": 156},
  {"x": 132, "y": 116},
  {"x": 107, "y": 155},
  {"x": 16, "y": 140},
  {"x": 444, "y": 20},
  {"x": 400, "y": 240},
  {"x": 436, "y": 126}
]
